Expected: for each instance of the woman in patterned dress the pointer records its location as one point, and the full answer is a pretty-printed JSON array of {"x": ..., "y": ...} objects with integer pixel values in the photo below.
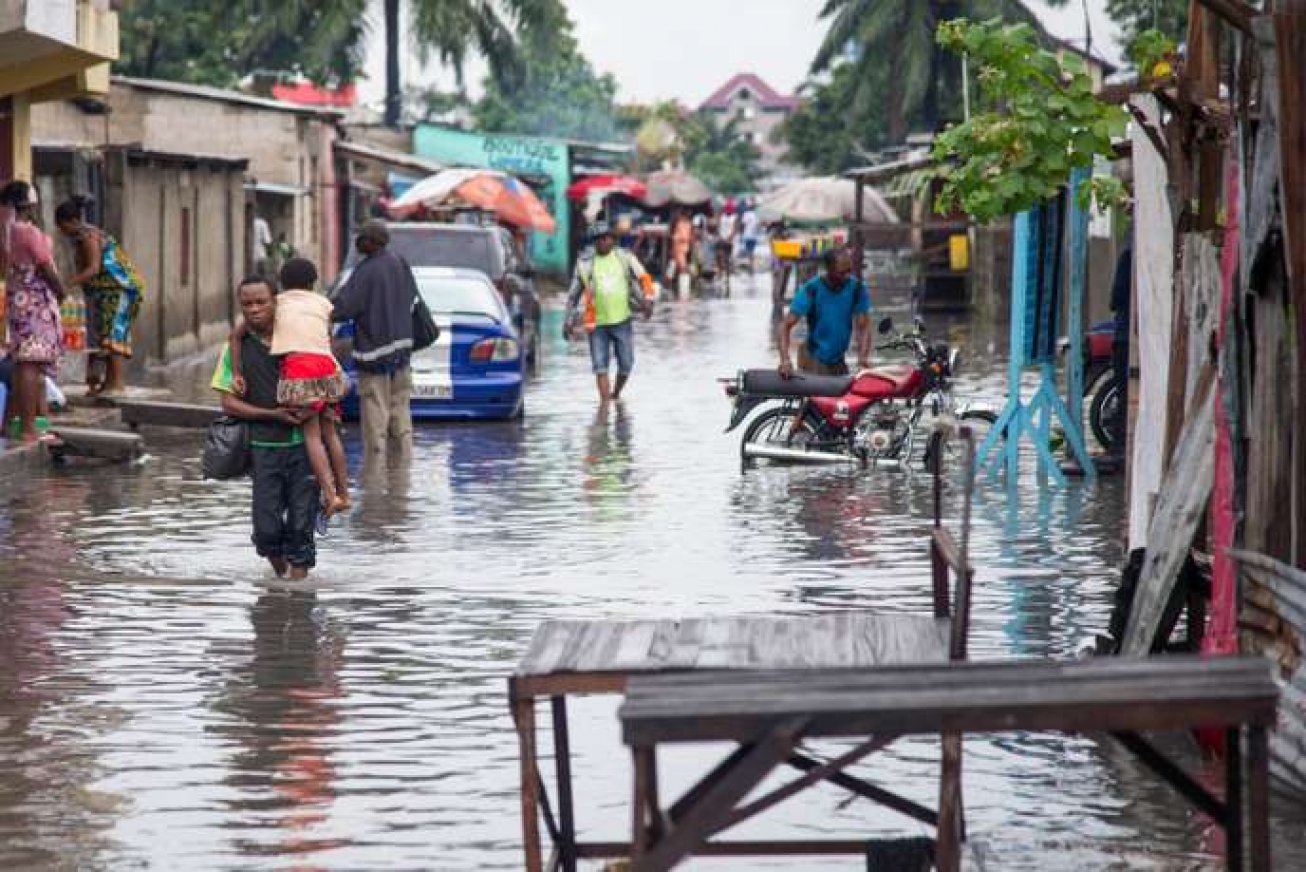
[
  {"x": 33, "y": 293},
  {"x": 113, "y": 292}
]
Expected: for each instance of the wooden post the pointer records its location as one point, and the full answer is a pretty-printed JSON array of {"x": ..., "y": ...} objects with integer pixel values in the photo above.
[
  {"x": 1233, "y": 800},
  {"x": 524, "y": 716},
  {"x": 640, "y": 832},
  {"x": 1078, "y": 279},
  {"x": 566, "y": 805},
  {"x": 1290, "y": 43},
  {"x": 1258, "y": 799},
  {"x": 859, "y": 216},
  {"x": 947, "y": 852}
]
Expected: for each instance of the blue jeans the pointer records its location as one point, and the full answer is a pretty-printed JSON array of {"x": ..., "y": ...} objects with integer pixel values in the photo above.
[{"x": 610, "y": 338}]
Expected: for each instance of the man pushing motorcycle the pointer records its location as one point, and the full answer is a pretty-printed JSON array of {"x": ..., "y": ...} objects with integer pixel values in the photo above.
[{"x": 837, "y": 306}]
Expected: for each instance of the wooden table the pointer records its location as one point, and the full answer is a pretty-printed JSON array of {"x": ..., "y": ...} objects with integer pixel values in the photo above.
[
  {"x": 599, "y": 657},
  {"x": 766, "y": 715}
]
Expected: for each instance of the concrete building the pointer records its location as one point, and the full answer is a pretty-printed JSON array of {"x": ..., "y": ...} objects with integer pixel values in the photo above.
[
  {"x": 179, "y": 173},
  {"x": 291, "y": 176},
  {"x": 49, "y": 50},
  {"x": 758, "y": 110}
]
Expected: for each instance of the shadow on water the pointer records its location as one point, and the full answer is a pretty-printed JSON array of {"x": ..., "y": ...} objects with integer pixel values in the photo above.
[{"x": 165, "y": 703}]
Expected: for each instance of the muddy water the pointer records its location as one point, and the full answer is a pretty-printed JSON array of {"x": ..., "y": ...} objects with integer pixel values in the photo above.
[{"x": 163, "y": 706}]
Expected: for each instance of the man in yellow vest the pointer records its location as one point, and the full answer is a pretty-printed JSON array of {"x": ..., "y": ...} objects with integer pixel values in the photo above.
[{"x": 608, "y": 287}]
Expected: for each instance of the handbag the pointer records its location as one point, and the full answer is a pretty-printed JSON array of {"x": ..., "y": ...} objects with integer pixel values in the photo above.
[
  {"x": 425, "y": 330},
  {"x": 227, "y": 452}
]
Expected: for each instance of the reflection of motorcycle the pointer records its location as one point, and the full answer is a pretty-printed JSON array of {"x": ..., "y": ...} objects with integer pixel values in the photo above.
[{"x": 874, "y": 417}]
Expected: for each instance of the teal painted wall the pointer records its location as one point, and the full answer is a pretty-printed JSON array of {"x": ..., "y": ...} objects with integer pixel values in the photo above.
[{"x": 520, "y": 156}]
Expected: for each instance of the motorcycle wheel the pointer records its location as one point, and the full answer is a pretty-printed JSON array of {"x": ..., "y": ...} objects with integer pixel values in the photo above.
[
  {"x": 979, "y": 421},
  {"x": 1102, "y": 412},
  {"x": 773, "y": 425}
]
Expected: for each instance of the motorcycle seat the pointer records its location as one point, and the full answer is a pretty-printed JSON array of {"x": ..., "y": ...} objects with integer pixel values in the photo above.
[{"x": 768, "y": 382}]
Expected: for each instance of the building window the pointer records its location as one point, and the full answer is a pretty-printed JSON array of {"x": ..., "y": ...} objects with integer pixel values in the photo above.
[
  {"x": 184, "y": 260},
  {"x": 749, "y": 113}
]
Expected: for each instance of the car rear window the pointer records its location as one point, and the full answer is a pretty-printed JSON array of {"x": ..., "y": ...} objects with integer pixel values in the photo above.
[
  {"x": 433, "y": 246},
  {"x": 464, "y": 295}
]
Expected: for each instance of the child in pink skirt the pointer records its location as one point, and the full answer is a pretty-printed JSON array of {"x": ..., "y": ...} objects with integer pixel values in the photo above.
[{"x": 311, "y": 378}]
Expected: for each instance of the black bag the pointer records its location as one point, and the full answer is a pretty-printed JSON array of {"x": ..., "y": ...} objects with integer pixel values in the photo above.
[
  {"x": 227, "y": 453},
  {"x": 425, "y": 330}
]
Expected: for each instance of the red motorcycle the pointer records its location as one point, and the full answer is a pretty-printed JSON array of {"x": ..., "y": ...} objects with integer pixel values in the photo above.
[{"x": 875, "y": 418}]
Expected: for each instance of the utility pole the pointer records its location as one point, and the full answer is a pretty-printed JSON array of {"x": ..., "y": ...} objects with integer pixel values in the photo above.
[{"x": 393, "y": 86}]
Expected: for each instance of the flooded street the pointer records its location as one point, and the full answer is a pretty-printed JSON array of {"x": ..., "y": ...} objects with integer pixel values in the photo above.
[{"x": 162, "y": 707}]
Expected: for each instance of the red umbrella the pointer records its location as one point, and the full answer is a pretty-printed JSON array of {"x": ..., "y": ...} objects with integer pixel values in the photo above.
[{"x": 609, "y": 184}]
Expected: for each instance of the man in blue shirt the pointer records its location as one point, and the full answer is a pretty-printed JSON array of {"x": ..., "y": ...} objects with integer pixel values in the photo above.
[{"x": 837, "y": 306}]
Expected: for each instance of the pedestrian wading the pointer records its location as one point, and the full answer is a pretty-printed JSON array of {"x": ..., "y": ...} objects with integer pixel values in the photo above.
[{"x": 285, "y": 500}]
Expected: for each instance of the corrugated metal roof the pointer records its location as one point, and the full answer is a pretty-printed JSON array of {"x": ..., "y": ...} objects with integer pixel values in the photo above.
[{"x": 207, "y": 92}]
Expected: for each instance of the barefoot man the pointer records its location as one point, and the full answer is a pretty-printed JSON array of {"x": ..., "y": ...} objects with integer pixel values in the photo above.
[{"x": 609, "y": 286}]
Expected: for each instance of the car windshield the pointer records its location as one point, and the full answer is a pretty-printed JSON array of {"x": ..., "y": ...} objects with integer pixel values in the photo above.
[
  {"x": 437, "y": 246},
  {"x": 461, "y": 295}
]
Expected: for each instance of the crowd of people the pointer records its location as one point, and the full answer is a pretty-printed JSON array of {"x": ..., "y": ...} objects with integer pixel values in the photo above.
[{"x": 34, "y": 292}]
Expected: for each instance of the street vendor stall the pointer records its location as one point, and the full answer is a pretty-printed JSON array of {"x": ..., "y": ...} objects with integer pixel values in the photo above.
[
  {"x": 511, "y": 200},
  {"x": 810, "y": 217}
]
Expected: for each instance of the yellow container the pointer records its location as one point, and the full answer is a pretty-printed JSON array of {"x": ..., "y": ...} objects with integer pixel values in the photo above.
[
  {"x": 959, "y": 252},
  {"x": 788, "y": 249}
]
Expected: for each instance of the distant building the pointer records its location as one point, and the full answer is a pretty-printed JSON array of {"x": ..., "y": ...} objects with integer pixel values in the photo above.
[{"x": 758, "y": 108}]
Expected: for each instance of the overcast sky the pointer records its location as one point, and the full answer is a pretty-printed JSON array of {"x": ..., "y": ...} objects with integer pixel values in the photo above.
[{"x": 685, "y": 49}]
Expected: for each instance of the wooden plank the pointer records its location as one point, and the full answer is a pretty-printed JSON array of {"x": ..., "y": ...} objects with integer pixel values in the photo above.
[
  {"x": 157, "y": 413},
  {"x": 1154, "y": 278},
  {"x": 823, "y": 640},
  {"x": 1179, "y": 510},
  {"x": 110, "y": 445},
  {"x": 785, "y": 688}
]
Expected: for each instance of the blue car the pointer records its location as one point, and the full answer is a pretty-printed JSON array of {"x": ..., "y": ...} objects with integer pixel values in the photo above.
[{"x": 476, "y": 370}]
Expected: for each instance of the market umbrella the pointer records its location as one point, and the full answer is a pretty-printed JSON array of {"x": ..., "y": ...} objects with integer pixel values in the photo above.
[
  {"x": 608, "y": 184},
  {"x": 824, "y": 199},
  {"x": 676, "y": 188},
  {"x": 508, "y": 197}
]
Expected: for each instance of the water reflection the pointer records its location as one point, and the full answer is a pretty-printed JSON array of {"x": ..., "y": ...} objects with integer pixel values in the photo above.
[
  {"x": 284, "y": 723},
  {"x": 608, "y": 467}
]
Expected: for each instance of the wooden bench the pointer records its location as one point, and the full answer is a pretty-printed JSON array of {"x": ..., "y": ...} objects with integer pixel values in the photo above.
[
  {"x": 768, "y": 714},
  {"x": 567, "y": 658}
]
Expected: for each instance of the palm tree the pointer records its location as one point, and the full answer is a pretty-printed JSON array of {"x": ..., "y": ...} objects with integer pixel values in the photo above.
[
  {"x": 450, "y": 30},
  {"x": 893, "y": 41}
]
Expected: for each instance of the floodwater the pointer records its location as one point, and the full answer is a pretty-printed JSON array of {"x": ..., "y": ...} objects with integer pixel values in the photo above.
[{"x": 164, "y": 706}]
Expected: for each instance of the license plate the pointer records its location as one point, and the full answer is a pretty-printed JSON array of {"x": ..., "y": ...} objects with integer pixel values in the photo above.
[{"x": 433, "y": 392}]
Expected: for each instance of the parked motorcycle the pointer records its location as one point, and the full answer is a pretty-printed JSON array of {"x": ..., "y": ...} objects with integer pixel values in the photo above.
[
  {"x": 875, "y": 418},
  {"x": 1101, "y": 393}
]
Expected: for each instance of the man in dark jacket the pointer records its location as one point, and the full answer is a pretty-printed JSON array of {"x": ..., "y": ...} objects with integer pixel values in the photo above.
[
  {"x": 285, "y": 502},
  {"x": 379, "y": 299}
]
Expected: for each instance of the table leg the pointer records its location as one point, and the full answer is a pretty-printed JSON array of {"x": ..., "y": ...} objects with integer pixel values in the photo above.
[
  {"x": 947, "y": 851},
  {"x": 566, "y": 808},
  {"x": 524, "y": 715},
  {"x": 1233, "y": 800},
  {"x": 1258, "y": 798},
  {"x": 640, "y": 832}
]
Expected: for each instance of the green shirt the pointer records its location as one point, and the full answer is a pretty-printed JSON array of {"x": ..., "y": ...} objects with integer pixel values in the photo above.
[
  {"x": 224, "y": 381},
  {"x": 611, "y": 290}
]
